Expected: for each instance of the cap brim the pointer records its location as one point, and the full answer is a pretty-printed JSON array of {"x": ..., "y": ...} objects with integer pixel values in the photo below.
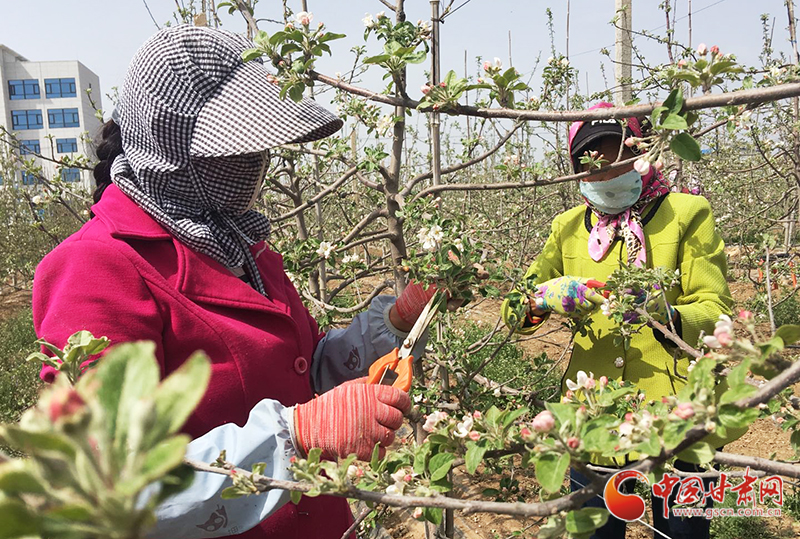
[
  {"x": 580, "y": 144},
  {"x": 247, "y": 115}
]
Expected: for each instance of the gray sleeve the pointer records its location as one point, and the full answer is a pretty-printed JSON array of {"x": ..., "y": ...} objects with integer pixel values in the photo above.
[
  {"x": 199, "y": 511},
  {"x": 347, "y": 353}
]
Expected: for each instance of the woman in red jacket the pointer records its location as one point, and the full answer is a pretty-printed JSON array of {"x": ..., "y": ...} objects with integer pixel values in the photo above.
[{"x": 176, "y": 255}]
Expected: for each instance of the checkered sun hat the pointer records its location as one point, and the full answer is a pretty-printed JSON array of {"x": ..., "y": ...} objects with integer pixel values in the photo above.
[{"x": 196, "y": 122}]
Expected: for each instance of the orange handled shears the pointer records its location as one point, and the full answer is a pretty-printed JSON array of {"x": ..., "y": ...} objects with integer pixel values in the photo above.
[
  {"x": 395, "y": 367},
  {"x": 598, "y": 285}
]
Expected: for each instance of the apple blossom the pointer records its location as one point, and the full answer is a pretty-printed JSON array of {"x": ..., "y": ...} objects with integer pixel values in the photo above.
[
  {"x": 304, "y": 18},
  {"x": 368, "y": 21},
  {"x": 681, "y": 63},
  {"x": 380, "y": 15},
  {"x": 573, "y": 442},
  {"x": 625, "y": 428},
  {"x": 658, "y": 165},
  {"x": 525, "y": 432},
  {"x": 477, "y": 414},
  {"x": 582, "y": 381},
  {"x": 714, "y": 50},
  {"x": 684, "y": 410},
  {"x": 642, "y": 166},
  {"x": 702, "y": 49},
  {"x": 487, "y": 65},
  {"x": 474, "y": 435},
  {"x": 417, "y": 513},
  {"x": 325, "y": 249},
  {"x": 630, "y": 141},
  {"x": 603, "y": 381},
  {"x": 425, "y": 89},
  {"x": 463, "y": 427},
  {"x": 543, "y": 422},
  {"x": 432, "y": 420}
]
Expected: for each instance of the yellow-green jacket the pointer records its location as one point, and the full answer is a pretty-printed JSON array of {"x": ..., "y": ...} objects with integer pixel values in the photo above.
[{"x": 679, "y": 234}]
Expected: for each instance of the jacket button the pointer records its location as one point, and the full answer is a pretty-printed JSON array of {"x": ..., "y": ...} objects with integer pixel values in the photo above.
[{"x": 300, "y": 365}]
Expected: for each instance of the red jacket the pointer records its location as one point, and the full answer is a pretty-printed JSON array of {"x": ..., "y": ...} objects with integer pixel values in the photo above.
[{"x": 122, "y": 275}]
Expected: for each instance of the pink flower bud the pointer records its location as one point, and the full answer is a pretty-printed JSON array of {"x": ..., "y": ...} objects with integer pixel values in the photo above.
[
  {"x": 477, "y": 414},
  {"x": 487, "y": 66},
  {"x": 425, "y": 89},
  {"x": 702, "y": 49},
  {"x": 603, "y": 381},
  {"x": 443, "y": 84},
  {"x": 544, "y": 422},
  {"x": 684, "y": 410},
  {"x": 417, "y": 512},
  {"x": 658, "y": 165},
  {"x": 569, "y": 394},
  {"x": 629, "y": 142},
  {"x": 582, "y": 409},
  {"x": 714, "y": 50},
  {"x": 681, "y": 63},
  {"x": 525, "y": 432},
  {"x": 573, "y": 442},
  {"x": 642, "y": 166},
  {"x": 407, "y": 478},
  {"x": 474, "y": 435},
  {"x": 745, "y": 315},
  {"x": 589, "y": 384},
  {"x": 65, "y": 402},
  {"x": 480, "y": 80}
]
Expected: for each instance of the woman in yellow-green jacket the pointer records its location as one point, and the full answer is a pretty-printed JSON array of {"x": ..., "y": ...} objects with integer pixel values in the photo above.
[{"x": 630, "y": 219}]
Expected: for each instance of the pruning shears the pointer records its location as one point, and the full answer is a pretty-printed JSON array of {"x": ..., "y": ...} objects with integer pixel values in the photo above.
[
  {"x": 599, "y": 286},
  {"x": 395, "y": 367}
]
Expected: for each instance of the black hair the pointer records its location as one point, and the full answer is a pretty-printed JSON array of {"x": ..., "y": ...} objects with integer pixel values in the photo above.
[{"x": 108, "y": 146}]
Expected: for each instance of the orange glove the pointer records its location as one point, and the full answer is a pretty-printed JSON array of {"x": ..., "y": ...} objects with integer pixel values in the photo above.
[
  {"x": 350, "y": 418},
  {"x": 411, "y": 302}
]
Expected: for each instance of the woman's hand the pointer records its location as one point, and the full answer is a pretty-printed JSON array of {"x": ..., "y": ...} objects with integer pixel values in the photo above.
[
  {"x": 567, "y": 296},
  {"x": 350, "y": 418}
]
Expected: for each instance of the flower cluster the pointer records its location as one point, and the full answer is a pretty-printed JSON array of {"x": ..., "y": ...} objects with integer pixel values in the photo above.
[
  {"x": 430, "y": 238},
  {"x": 325, "y": 249},
  {"x": 723, "y": 333}
]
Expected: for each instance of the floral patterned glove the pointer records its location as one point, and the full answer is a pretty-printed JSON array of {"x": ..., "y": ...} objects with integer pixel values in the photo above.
[{"x": 567, "y": 296}]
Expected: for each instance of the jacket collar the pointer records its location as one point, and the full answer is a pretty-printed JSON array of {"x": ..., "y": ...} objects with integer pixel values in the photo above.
[
  {"x": 199, "y": 276},
  {"x": 125, "y": 219}
]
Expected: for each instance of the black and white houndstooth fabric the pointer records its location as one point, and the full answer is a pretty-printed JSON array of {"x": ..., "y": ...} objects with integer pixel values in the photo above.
[{"x": 196, "y": 125}]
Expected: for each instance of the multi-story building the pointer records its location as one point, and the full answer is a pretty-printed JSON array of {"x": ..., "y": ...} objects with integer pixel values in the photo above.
[{"x": 44, "y": 104}]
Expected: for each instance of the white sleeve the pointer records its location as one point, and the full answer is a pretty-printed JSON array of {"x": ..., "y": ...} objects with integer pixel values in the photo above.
[{"x": 199, "y": 511}]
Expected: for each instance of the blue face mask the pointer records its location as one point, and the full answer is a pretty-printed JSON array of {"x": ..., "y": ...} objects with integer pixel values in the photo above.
[{"x": 615, "y": 195}]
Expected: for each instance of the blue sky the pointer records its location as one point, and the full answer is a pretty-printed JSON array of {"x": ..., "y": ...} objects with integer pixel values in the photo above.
[{"x": 104, "y": 35}]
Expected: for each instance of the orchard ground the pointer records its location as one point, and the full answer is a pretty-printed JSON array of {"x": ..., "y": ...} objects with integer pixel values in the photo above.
[{"x": 764, "y": 439}]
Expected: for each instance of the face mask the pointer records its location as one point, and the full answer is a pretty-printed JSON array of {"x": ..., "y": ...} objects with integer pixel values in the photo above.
[
  {"x": 257, "y": 193},
  {"x": 231, "y": 184},
  {"x": 615, "y": 195}
]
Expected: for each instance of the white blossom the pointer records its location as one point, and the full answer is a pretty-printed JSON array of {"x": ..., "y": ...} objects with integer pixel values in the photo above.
[
  {"x": 351, "y": 259},
  {"x": 384, "y": 124},
  {"x": 380, "y": 15},
  {"x": 463, "y": 427},
  {"x": 582, "y": 381},
  {"x": 433, "y": 420},
  {"x": 325, "y": 249},
  {"x": 368, "y": 21},
  {"x": 430, "y": 237},
  {"x": 36, "y": 199},
  {"x": 304, "y": 18}
]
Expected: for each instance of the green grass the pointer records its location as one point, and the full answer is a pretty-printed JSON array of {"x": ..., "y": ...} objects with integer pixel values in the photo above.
[{"x": 19, "y": 380}]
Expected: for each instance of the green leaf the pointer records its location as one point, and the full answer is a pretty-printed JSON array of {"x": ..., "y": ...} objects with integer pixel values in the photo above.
[
  {"x": 179, "y": 394},
  {"x": 129, "y": 372},
  {"x": 37, "y": 443},
  {"x": 17, "y": 477},
  {"x": 330, "y": 36},
  {"x": 686, "y": 147},
  {"x": 17, "y": 519},
  {"x": 698, "y": 453},
  {"x": 789, "y": 333},
  {"x": 563, "y": 412},
  {"x": 674, "y": 122},
  {"x": 251, "y": 54},
  {"x": 440, "y": 464},
  {"x": 379, "y": 59},
  {"x": 433, "y": 514},
  {"x": 474, "y": 455},
  {"x": 651, "y": 446},
  {"x": 733, "y": 416},
  {"x": 586, "y": 520},
  {"x": 296, "y": 92},
  {"x": 551, "y": 469},
  {"x": 375, "y": 461},
  {"x": 296, "y": 496},
  {"x": 674, "y": 101},
  {"x": 158, "y": 462},
  {"x": 177, "y": 480},
  {"x": 491, "y": 416}
]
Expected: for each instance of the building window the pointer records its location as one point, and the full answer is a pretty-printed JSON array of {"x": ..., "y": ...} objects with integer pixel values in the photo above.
[
  {"x": 70, "y": 174},
  {"x": 28, "y": 178},
  {"x": 27, "y": 147},
  {"x": 23, "y": 89},
  {"x": 66, "y": 145},
  {"x": 63, "y": 117},
  {"x": 26, "y": 119},
  {"x": 59, "y": 87}
]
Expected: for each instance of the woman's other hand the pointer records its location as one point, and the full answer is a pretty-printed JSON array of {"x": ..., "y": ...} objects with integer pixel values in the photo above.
[{"x": 567, "y": 296}]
